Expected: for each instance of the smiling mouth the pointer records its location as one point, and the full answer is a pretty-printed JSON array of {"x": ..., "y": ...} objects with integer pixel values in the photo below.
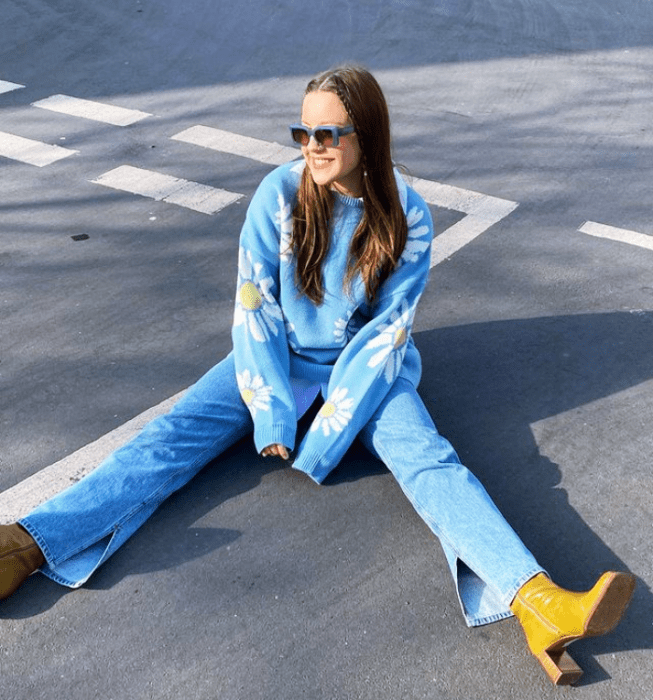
[{"x": 321, "y": 162}]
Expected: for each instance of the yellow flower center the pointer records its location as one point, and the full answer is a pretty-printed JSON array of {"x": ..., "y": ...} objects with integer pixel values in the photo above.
[
  {"x": 400, "y": 337},
  {"x": 248, "y": 396},
  {"x": 328, "y": 410},
  {"x": 249, "y": 296}
]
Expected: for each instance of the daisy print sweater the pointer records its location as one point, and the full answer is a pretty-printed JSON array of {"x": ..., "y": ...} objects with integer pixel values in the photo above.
[{"x": 287, "y": 349}]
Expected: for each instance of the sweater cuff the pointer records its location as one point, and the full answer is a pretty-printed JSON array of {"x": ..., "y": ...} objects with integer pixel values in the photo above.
[
  {"x": 314, "y": 465},
  {"x": 275, "y": 434}
]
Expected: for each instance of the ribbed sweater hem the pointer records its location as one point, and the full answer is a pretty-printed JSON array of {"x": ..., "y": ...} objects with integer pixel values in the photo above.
[
  {"x": 313, "y": 464},
  {"x": 276, "y": 434},
  {"x": 313, "y": 372}
]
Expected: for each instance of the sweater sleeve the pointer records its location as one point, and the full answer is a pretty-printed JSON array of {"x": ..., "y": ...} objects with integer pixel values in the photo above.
[
  {"x": 369, "y": 365},
  {"x": 259, "y": 334}
]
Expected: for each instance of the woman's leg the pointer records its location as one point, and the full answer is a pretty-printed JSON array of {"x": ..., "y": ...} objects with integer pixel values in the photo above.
[
  {"x": 488, "y": 560},
  {"x": 81, "y": 527},
  {"x": 494, "y": 572}
]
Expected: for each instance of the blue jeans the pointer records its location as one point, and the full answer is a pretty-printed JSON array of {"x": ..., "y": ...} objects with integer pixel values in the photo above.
[{"x": 81, "y": 527}]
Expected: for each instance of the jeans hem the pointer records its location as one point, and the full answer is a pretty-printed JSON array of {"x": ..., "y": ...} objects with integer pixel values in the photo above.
[
  {"x": 474, "y": 621},
  {"x": 488, "y": 619},
  {"x": 62, "y": 581},
  {"x": 49, "y": 569}
]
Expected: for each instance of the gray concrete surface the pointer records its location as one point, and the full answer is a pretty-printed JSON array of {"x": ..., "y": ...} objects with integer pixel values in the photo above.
[{"x": 253, "y": 582}]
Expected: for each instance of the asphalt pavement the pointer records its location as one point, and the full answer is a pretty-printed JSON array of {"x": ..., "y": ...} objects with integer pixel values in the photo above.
[{"x": 529, "y": 125}]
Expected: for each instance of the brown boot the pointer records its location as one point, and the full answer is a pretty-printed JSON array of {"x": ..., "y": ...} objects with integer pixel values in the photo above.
[
  {"x": 20, "y": 556},
  {"x": 552, "y": 618}
]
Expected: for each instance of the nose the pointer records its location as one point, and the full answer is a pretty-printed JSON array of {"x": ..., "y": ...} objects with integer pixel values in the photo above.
[{"x": 314, "y": 144}]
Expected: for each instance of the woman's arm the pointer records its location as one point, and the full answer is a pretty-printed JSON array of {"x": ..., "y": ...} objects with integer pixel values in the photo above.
[{"x": 259, "y": 334}]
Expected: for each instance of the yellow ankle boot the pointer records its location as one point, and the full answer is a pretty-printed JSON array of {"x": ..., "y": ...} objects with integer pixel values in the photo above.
[{"x": 552, "y": 618}]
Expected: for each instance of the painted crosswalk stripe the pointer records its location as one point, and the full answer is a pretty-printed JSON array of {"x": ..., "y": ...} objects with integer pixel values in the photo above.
[
  {"x": 31, "y": 152},
  {"x": 482, "y": 211},
  {"x": 166, "y": 188},
  {"x": 6, "y": 86},
  {"x": 89, "y": 109},
  {"x": 245, "y": 146},
  {"x": 621, "y": 235}
]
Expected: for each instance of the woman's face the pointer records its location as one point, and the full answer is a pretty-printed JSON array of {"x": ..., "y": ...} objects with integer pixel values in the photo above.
[{"x": 340, "y": 166}]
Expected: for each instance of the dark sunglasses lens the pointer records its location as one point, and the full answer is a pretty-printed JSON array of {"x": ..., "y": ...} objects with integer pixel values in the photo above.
[
  {"x": 324, "y": 137},
  {"x": 300, "y": 136}
]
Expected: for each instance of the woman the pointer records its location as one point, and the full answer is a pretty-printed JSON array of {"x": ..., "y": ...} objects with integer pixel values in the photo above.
[{"x": 334, "y": 255}]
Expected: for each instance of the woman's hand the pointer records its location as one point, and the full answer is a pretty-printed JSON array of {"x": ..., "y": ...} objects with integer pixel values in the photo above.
[{"x": 275, "y": 450}]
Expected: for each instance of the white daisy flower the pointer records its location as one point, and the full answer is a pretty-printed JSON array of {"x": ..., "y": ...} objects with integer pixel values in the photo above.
[
  {"x": 414, "y": 247},
  {"x": 256, "y": 308},
  {"x": 344, "y": 329},
  {"x": 254, "y": 392},
  {"x": 340, "y": 331},
  {"x": 284, "y": 222},
  {"x": 391, "y": 340},
  {"x": 334, "y": 414},
  {"x": 290, "y": 332}
]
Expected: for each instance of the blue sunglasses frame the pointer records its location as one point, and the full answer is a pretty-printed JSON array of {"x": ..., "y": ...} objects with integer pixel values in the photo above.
[{"x": 326, "y": 135}]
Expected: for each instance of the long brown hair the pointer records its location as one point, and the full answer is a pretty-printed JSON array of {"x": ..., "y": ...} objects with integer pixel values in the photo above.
[{"x": 380, "y": 237}]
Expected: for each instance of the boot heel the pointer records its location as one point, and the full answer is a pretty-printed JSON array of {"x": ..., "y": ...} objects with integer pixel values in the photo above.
[{"x": 560, "y": 667}]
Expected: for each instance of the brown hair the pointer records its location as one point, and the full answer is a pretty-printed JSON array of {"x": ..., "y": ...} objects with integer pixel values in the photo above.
[{"x": 380, "y": 237}]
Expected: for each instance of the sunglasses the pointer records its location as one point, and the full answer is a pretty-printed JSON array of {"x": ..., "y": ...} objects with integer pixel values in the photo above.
[{"x": 325, "y": 135}]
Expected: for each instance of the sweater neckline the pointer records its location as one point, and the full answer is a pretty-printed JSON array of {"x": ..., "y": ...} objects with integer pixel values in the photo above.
[{"x": 347, "y": 200}]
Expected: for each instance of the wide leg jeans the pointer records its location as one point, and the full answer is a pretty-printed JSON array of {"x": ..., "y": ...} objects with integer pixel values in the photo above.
[{"x": 81, "y": 527}]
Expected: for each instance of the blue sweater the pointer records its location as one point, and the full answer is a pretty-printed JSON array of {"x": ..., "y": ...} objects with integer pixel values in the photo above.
[{"x": 287, "y": 348}]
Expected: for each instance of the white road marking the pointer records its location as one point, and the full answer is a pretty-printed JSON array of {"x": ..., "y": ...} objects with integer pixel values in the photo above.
[
  {"x": 160, "y": 187},
  {"x": 245, "y": 146},
  {"x": 31, "y": 152},
  {"x": 617, "y": 234},
  {"x": 6, "y": 86},
  {"x": 89, "y": 109},
  {"x": 482, "y": 212}
]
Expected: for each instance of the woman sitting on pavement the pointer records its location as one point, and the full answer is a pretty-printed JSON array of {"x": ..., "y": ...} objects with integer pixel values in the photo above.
[{"x": 334, "y": 255}]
